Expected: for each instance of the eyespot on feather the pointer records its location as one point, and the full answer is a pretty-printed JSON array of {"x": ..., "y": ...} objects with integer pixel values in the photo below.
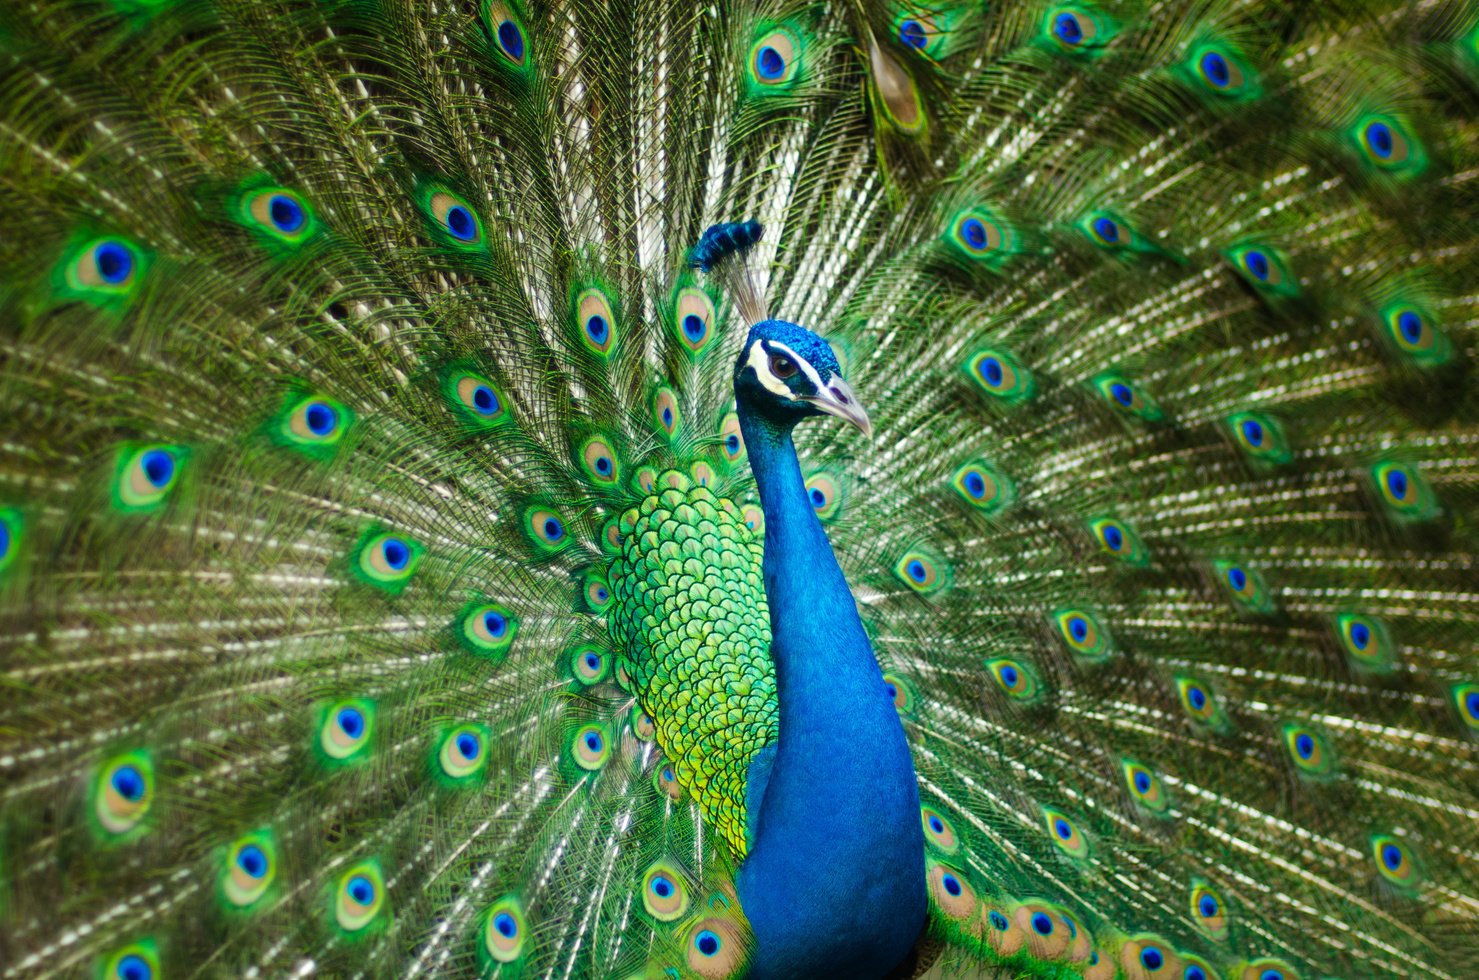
[
  {"x": 938, "y": 831},
  {"x": 1065, "y": 834},
  {"x": 1388, "y": 144},
  {"x": 462, "y": 754},
  {"x": 146, "y": 475},
  {"x": 1048, "y": 936},
  {"x": 1120, "y": 540},
  {"x": 248, "y": 869},
  {"x": 1266, "y": 969},
  {"x": 345, "y": 730},
  {"x": 825, "y": 494},
  {"x": 123, "y": 793},
  {"x": 665, "y": 779},
  {"x": 1148, "y": 957},
  {"x": 921, "y": 573},
  {"x": 599, "y": 461},
  {"x": 999, "y": 374},
  {"x": 1145, "y": 787},
  {"x": 1260, "y": 437},
  {"x": 900, "y": 693},
  {"x": 983, "y": 487},
  {"x": 665, "y": 893},
  {"x": 1365, "y": 642},
  {"x": 502, "y": 930},
  {"x": 951, "y": 892},
  {"x": 666, "y": 415},
  {"x": 1415, "y": 334},
  {"x": 1125, "y": 396},
  {"x": 1309, "y": 751},
  {"x": 977, "y": 234},
  {"x": 387, "y": 560},
  {"x": 1080, "y": 629},
  {"x": 474, "y": 399},
  {"x": 506, "y": 31},
  {"x": 454, "y": 220},
  {"x": 359, "y": 897},
  {"x": 545, "y": 530},
  {"x": 1200, "y": 704},
  {"x": 279, "y": 214},
  {"x": 1264, "y": 269},
  {"x": 1244, "y": 586},
  {"x": 731, "y": 439},
  {"x": 595, "y": 324},
  {"x": 1404, "y": 491},
  {"x": 487, "y": 629},
  {"x": 716, "y": 949},
  {"x": 590, "y": 748},
  {"x": 1076, "y": 29},
  {"x": 102, "y": 270},
  {"x": 775, "y": 59},
  {"x": 1209, "y": 911},
  {"x": 1395, "y": 862},
  {"x": 136, "y": 961},
  {"x": 1015, "y": 678},
  {"x": 590, "y": 665},
  {"x": 1466, "y": 703},
  {"x": 693, "y": 320}
]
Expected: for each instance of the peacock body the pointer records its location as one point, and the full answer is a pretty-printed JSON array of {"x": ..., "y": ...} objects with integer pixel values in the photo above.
[{"x": 440, "y": 535}]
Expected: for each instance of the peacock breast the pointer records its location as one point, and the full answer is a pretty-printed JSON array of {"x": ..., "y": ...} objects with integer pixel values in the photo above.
[{"x": 692, "y": 626}]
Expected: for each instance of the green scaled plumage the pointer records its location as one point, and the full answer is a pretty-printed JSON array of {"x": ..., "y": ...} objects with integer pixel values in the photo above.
[{"x": 380, "y": 586}]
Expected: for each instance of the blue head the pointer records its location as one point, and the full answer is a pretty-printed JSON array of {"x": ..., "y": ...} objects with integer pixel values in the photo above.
[{"x": 786, "y": 373}]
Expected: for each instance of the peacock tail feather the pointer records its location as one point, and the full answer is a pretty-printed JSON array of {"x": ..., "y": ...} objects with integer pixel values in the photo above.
[{"x": 380, "y": 586}]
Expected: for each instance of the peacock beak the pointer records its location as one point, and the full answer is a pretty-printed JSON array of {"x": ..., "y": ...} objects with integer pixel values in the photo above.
[{"x": 837, "y": 398}]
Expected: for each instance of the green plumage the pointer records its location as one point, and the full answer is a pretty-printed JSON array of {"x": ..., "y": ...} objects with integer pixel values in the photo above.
[{"x": 380, "y": 585}]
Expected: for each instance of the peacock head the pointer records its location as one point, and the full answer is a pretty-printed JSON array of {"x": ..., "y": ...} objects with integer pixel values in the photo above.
[{"x": 786, "y": 373}]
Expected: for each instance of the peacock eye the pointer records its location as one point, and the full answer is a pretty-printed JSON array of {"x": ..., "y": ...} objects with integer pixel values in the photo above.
[{"x": 781, "y": 366}]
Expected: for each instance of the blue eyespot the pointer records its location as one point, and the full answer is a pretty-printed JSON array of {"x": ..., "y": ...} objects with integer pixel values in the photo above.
[
  {"x": 975, "y": 484},
  {"x": 362, "y": 890},
  {"x": 733, "y": 443},
  {"x": 1271, "y": 975},
  {"x": 1152, "y": 958},
  {"x": 991, "y": 371},
  {"x": 597, "y": 329},
  {"x": 1391, "y": 856},
  {"x": 592, "y": 661},
  {"x": 911, "y": 32},
  {"x": 495, "y": 623},
  {"x": 1122, "y": 394},
  {"x": 891, "y": 692},
  {"x": 553, "y": 529},
  {"x": 396, "y": 553},
  {"x": 320, "y": 418},
  {"x": 936, "y": 824},
  {"x": 351, "y": 722},
  {"x": 1061, "y": 828},
  {"x": 133, "y": 967},
  {"x": 506, "y": 926},
  {"x": 1142, "y": 782},
  {"x": 1042, "y": 924},
  {"x": 1411, "y": 326},
  {"x": 1068, "y": 29},
  {"x": 159, "y": 467},
  {"x": 511, "y": 39},
  {"x": 818, "y": 499},
  {"x": 1106, "y": 229},
  {"x": 467, "y": 744},
  {"x": 1215, "y": 70},
  {"x": 129, "y": 783},
  {"x": 662, "y": 887},
  {"x": 1009, "y": 676},
  {"x": 769, "y": 63},
  {"x": 706, "y": 943},
  {"x": 593, "y": 741},
  {"x": 286, "y": 214},
  {"x": 1114, "y": 538},
  {"x": 1257, "y": 265},
  {"x": 1197, "y": 697},
  {"x": 252, "y": 861},
  {"x": 460, "y": 223},
  {"x": 1396, "y": 482},
  {"x": 484, "y": 401},
  {"x": 999, "y": 922},
  {"x": 973, "y": 230},
  {"x": 694, "y": 327},
  {"x": 951, "y": 884},
  {"x": 1253, "y": 432},
  {"x": 917, "y": 570},
  {"x": 1078, "y": 628},
  {"x": 1379, "y": 138},
  {"x": 1304, "y": 745},
  {"x": 114, "y": 262},
  {"x": 1207, "y": 906},
  {"x": 1237, "y": 578},
  {"x": 1194, "y": 972}
]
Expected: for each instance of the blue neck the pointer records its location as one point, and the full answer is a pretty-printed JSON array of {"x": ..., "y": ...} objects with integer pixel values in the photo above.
[{"x": 834, "y": 881}]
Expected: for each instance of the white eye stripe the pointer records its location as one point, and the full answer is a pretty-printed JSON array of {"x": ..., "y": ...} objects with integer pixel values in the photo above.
[{"x": 759, "y": 360}]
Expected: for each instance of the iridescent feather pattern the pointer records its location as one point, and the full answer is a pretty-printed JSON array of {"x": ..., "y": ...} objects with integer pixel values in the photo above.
[{"x": 382, "y": 542}]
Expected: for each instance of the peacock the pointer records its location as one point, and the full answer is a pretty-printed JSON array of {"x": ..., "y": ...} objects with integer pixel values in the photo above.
[{"x": 676, "y": 490}]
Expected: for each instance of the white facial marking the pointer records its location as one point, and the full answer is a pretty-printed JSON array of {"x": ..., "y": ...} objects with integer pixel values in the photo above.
[{"x": 759, "y": 359}]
